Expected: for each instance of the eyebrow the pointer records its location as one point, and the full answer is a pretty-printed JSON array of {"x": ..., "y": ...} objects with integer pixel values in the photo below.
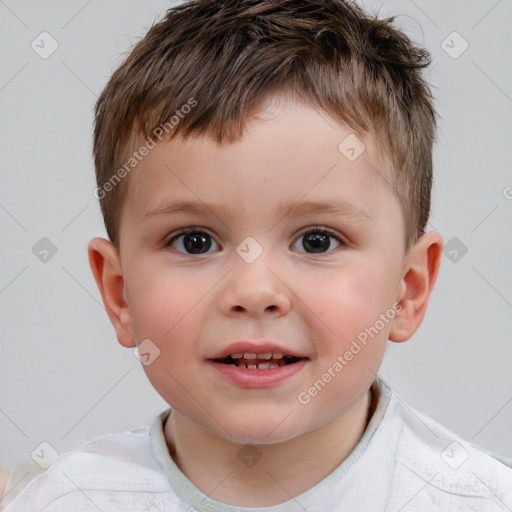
[{"x": 286, "y": 209}]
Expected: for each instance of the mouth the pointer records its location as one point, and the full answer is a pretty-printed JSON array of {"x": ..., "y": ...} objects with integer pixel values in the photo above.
[
  {"x": 257, "y": 364},
  {"x": 263, "y": 361}
]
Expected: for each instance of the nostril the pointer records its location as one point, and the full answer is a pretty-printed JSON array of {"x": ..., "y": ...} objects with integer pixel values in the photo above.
[{"x": 241, "y": 308}]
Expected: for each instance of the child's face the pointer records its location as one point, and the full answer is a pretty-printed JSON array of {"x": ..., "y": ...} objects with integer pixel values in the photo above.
[{"x": 198, "y": 295}]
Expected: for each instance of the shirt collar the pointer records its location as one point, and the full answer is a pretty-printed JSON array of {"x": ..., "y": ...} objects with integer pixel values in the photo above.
[{"x": 190, "y": 494}]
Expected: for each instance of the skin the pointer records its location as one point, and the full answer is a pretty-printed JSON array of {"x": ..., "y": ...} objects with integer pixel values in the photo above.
[
  {"x": 4, "y": 478},
  {"x": 193, "y": 305}
]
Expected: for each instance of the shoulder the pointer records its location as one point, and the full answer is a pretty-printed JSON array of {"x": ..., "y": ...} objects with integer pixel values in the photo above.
[
  {"x": 109, "y": 465},
  {"x": 442, "y": 467}
]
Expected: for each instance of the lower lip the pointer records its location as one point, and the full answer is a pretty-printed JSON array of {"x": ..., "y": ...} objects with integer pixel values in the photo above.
[{"x": 258, "y": 378}]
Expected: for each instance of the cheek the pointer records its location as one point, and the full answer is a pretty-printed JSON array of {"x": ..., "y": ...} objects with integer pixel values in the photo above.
[
  {"x": 349, "y": 308},
  {"x": 163, "y": 300},
  {"x": 170, "y": 308},
  {"x": 171, "y": 318}
]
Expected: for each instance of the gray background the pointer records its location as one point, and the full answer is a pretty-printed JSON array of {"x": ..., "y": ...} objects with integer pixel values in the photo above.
[{"x": 63, "y": 376}]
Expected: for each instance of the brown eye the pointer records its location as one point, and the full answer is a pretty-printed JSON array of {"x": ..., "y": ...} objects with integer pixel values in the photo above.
[
  {"x": 191, "y": 241},
  {"x": 318, "y": 240}
]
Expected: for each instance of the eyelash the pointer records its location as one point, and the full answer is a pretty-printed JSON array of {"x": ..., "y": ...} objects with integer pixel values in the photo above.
[{"x": 313, "y": 229}]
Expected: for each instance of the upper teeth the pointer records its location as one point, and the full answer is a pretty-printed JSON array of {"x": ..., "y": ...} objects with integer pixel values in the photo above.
[{"x": 250, "y": 355}]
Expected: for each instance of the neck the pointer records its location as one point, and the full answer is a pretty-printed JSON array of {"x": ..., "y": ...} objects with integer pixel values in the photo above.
[{"x": 212, "y": 463}]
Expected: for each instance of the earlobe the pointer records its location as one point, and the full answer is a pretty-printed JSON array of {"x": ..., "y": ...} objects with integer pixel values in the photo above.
[
  {"x": 421, "y": 268},
  {"x": 107, "y": 271}
]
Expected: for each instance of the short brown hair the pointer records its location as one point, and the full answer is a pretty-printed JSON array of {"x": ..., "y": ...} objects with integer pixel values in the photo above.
[{"x": 231, "y": 55}]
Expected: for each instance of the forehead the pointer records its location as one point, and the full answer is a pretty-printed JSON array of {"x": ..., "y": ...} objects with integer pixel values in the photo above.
[{"x": 290, "y": 152}]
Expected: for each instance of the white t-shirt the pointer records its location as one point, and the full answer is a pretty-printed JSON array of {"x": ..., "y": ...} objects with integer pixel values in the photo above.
[{"x": 404, "y": 461}]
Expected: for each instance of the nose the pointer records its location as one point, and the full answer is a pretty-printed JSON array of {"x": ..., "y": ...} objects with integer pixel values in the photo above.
[{"x": 254, "y": 289}]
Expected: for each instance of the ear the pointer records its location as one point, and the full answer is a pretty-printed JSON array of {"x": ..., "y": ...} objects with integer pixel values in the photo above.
[
  {"x": 107, "y": 271},
  {"x": 421, "y": 268}
]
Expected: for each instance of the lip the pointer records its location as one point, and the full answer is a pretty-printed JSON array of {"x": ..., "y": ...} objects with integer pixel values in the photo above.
[
  {"x": 257, "y": 378},
  {"x": 247, "y": 378},
  {"x": 254, "y": 347}
]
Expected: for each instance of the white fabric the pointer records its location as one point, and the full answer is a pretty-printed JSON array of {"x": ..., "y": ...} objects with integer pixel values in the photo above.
[{"x": 404, "y": 461}]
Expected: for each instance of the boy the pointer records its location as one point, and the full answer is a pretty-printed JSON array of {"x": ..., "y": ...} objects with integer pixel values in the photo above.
[{"x": 264, "y": 170}]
